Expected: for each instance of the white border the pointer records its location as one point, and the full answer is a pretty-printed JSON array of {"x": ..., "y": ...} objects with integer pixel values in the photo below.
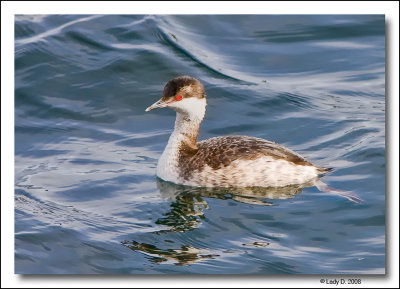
[{"x": 8, "y": 9}]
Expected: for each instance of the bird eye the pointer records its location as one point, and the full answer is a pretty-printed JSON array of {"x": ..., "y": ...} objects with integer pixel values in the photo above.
[{"x": 178, "y": 97}]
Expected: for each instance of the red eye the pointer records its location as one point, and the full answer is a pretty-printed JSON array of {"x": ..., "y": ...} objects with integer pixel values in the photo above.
[{"x": 178, "y": 97}]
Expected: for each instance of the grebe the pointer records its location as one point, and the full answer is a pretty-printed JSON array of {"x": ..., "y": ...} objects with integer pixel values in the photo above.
[{"x": 226, "y": 161}]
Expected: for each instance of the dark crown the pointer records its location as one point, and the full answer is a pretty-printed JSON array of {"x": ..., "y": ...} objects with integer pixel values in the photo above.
[{"x": 184, "y": 85}]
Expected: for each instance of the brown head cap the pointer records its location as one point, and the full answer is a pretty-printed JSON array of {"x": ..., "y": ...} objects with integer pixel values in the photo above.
[{"x": 185, "y": 86}]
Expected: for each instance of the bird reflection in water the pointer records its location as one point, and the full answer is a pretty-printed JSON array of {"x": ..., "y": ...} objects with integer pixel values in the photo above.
[
  {"x": 184, "y": 256},
  {"x": 187, "y": 212}
]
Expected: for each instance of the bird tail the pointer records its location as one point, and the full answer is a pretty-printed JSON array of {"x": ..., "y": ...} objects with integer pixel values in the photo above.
[
  {"x": 353, "y": 197},
  {"x": 322, "y": 171}
]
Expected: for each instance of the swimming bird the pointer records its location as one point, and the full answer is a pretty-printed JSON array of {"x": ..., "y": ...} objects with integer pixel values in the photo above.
[{"x": 225, "y": 161}]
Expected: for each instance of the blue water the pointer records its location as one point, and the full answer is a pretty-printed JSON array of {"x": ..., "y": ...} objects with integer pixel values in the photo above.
[{"x": 87, "y": 200}]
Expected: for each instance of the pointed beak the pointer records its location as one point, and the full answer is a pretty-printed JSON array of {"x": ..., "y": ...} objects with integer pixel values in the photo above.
[{"x": 158, "y": 104}]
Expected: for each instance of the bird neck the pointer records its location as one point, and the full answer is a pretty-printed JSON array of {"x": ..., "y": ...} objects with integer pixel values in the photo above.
[
  {"x": 181, "y": 143},
  {"x": 186, "y": 130},
  {"x": 183, "y": 140}
]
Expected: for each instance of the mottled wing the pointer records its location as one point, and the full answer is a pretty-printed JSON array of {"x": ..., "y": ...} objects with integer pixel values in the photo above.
[{"x": 221, "y": 151}]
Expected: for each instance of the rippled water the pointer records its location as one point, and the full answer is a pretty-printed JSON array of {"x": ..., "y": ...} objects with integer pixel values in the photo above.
[{"x": 86, "y": 196}]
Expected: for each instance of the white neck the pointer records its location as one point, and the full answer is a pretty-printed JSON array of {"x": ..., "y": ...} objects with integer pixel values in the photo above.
[{"x": 189, "y": 114}]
